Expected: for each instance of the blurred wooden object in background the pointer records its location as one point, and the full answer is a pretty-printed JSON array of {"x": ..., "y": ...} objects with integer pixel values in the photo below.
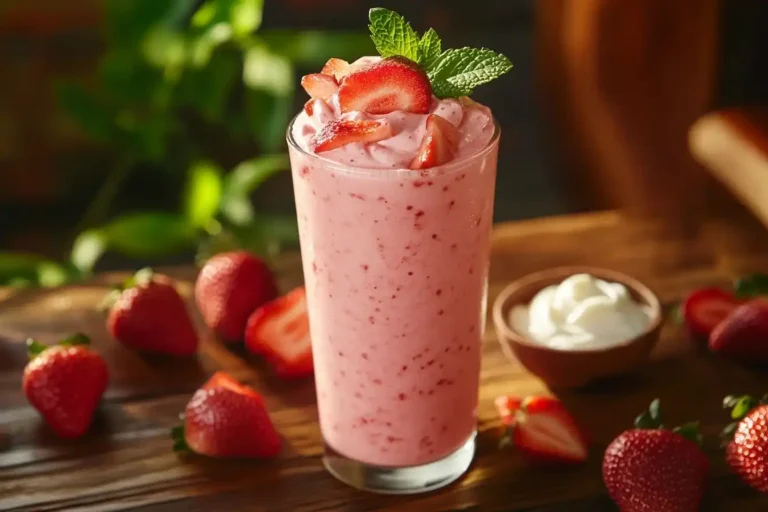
[
  {"x": 623, "y": 82},
  {"x": 733, "y": 145}
]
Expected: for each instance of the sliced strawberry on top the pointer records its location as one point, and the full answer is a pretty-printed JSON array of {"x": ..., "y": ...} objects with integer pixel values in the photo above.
[
  {"x": 438, "y": 145},
  {"x": 224, "y": 380},
  {"x": 391, "y": 84},
  {"x": 280, "y": 331},
  {"x": 341, "y": 132},
  {"x": 337, "y": 68},
  {"x": 704, "y": 309},
  {"x": 319, "y": 85},
  {"x": 542, "y": 429}
]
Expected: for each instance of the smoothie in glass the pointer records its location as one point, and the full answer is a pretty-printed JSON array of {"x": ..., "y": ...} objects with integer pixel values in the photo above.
[{"x": 394, "y": 226}]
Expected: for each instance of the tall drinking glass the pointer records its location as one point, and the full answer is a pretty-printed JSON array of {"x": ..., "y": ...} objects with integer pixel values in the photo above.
[{"x": 395, "y": 264}]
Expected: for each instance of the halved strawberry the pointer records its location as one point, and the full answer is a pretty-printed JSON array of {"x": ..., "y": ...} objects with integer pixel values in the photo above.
[
  {"x": 338, "y": 68},
  {"x": 542, "y": 429},
  {"x": 705, "y": 308},
  {"x": 394, "y": 83},
  {"x": 340, "y": 132},
  {"x": 319, "y": 85},
  {"x": 507, "y": 406},
  {"x": 438, "y": 145},
  {"x": 280, "y": 331},
  {"x": 224, "y": 380}
]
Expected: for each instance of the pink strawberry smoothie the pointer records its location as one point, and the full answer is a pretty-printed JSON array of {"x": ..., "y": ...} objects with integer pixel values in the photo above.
[{"x": 395, "y": 263}]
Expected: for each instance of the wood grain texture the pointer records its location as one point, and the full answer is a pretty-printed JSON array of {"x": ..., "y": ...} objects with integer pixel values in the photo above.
[{"x": 125, "y": 462}]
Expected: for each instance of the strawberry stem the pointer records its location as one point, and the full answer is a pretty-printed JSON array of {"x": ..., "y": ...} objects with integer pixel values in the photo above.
[
  {"x": 650, "y": 419},
  {"x": 142, "y": 277},
  {"x": 76, "y": 339},
  {"x": 690, "y": 431},
  {"x": 179, "y": 441},
  {"x": 740, "y": 406},
  {"x": 34, "y": 348}
]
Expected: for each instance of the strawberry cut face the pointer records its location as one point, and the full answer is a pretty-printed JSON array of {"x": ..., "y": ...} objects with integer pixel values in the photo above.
[
  {"x": 439, "y": 144},
  {"x": 280, "y": 331},
  {"x": 337, "y": 68},
  {"x": 704, "y": 309},
  {"x": 391, "y": 84},
  {"x": 341, "y": 132},
  {"x": 319, "y": 85}
]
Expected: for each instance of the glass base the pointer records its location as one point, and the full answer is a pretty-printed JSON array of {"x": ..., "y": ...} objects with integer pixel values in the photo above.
[{"x": 400, "y": 480}]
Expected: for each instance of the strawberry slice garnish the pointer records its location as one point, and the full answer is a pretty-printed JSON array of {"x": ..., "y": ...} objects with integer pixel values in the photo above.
[
  {"x": 341, "y": 132},
  {"x": 337, "y": 68},
  {"x": 319, "y": 85},
  {"x": 438, "y": 145},
  {"x": 704, "y": 309},
  {"x": 280, "y": 331},
  {"x": 542, "y": 429},
  {"x": 394, "y": 83}
]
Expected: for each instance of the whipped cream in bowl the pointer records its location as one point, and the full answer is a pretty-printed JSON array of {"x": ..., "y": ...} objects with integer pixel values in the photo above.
[{"x": 573, "y": 325}]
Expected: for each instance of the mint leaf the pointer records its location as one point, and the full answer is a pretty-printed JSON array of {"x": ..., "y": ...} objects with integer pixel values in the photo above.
[
  {"x": 457, "y": 72},
  {"x": 392, "y": 35},
  {"x": 431, "y": 48}
]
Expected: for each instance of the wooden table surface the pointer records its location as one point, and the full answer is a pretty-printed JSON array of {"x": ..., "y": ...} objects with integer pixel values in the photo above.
[{"x": 125, "y": 461}]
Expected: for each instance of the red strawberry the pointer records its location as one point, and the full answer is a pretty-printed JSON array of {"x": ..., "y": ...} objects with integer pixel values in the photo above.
[
  {"x": 148, "y": 314},
  {"x": 705, "y": 308},
  {"x": 655, "y": 470},
  {"x": 280, "y": 331},
  {"x": 227, "y": 420},
  {"x": 340, "y": 132},
  {"x": 319, "y": 85},
  {"x": 338, "y": 68},
  {"x": 394, "y": 83},
  {"x": 438, "y": 145},
  {"x": 229, "y": 288},
  {"x": 747, "y": 451},
  {"x": 65, "y": 383},
  {"x": 542, "y": 429},
  {"x": 744, "y": 333}
]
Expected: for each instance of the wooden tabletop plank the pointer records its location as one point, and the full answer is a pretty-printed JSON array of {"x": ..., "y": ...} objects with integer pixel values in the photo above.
[{"x": 125, "y": 462}]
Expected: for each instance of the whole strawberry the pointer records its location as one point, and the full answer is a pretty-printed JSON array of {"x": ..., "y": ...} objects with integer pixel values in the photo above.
[
  {"x": 64, "y": 383},
  {"x": 656, "y": 470},
  {"x": 229, "y": 288},
  {"x": 226, "y": 419},
  {"x": 747, "y": 448},
  {"x": 149, "y": 315},
  {"x": 744, "y": 333}
]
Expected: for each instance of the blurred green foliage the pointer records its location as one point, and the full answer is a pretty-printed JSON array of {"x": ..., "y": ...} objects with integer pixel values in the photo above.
[{"x": 173, "y": 72}]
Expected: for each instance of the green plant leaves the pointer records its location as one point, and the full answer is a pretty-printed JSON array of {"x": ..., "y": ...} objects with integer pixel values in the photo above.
[
  {"x": 268, "y": 71},
  {"x": 244, "y": 179},
  {"x": 312, "y": 48},
  {"x": 392, "y": 35},
  {"x": 203, "y": 191},
  {"x": 23, "y": 270},
  {"x": 457, "y": 72},
  {"x": 88, "y": 247},
  {"x": 93, "y": 116},
  {"x": 244, "y": 16}
]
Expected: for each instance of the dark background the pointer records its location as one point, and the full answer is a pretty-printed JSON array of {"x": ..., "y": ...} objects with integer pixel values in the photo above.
[{"x": 49, "y": 172}]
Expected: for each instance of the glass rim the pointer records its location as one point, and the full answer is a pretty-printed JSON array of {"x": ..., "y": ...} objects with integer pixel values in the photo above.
[{"x": 447, "y": 168}]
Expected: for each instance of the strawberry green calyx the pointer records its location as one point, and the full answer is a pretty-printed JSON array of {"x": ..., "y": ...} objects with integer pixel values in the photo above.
[
  {"x": 452, "y": 73},
  {"x": 179, "y": 442},
  {"x": 652, "y": 420},
  {"x": 751, "y": 286},
  {"x": 140, "y": 278},
  {"x": 740, "y": 406},
  {"x": 35, "y": 348}
]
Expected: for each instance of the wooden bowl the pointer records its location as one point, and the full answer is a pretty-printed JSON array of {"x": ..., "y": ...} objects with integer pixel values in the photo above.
[{"x": 573, "y": 368}]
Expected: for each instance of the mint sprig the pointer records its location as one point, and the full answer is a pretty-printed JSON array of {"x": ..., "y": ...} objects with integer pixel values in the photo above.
[
  {"x": 392, "y": 35},
  {"x": 452, "y": 73},
  {"x": 457, "y": 72}
]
